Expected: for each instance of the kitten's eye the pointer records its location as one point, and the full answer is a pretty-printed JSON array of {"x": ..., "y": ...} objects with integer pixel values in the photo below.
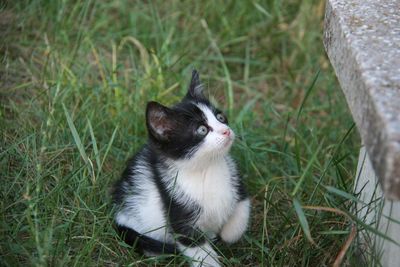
[
  {"x": 202, "y": 130},
  {"x": 221, "y": 118}
]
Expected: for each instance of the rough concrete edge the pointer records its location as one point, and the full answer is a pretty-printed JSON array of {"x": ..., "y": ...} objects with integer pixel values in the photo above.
[{"x": 375, "y": 139}]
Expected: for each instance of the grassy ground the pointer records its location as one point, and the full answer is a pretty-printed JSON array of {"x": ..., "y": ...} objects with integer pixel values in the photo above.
[{"x": 75, "y": 78}]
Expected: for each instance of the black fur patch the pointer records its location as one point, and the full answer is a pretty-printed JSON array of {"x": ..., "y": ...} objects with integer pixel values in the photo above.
[
  {"x": 144, "y": 243},
  {"x": 182, "y": 139}
]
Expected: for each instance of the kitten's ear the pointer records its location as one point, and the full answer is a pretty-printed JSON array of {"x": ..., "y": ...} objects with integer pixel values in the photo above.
[
  {"x": 159, "y": 121},
  {"x": 196, "y": 87}
]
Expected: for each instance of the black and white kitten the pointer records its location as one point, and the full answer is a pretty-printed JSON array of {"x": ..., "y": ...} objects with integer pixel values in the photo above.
[{"x": 182, "y": 189}]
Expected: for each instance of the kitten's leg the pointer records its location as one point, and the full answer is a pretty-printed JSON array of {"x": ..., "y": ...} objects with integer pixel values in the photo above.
[
  {"x": 201, "y": 255},
  {"x": 236, "y": 225},
  {"x": 193, "y": 243}
]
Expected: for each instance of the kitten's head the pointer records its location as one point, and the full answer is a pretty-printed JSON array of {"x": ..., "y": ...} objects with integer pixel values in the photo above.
[{"x": 192, "y": 129}]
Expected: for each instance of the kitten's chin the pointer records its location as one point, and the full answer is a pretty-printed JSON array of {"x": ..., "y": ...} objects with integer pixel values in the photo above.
[
  {"x": 228, "y": 143},
  {"x": 224, "y": 148},
  {"x": 213, "y": 156},
  {"x": 230, "y": 140}
]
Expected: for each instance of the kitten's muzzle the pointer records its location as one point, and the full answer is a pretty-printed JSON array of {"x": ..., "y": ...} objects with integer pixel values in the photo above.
[{"x": 226, "y": 132}]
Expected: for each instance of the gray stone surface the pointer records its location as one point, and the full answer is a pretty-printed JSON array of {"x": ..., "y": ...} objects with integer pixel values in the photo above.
[{"x": 362, "y": 40}]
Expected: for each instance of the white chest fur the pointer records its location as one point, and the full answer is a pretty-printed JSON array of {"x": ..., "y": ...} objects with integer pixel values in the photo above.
[{"x": 211, "y": 189}]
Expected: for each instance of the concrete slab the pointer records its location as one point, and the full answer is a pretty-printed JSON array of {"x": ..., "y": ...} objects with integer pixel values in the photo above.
[{"x": 362, "y": 40}]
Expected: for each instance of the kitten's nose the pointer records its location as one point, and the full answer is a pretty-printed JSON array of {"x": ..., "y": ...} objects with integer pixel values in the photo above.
[{"x": 226, "y": 132}]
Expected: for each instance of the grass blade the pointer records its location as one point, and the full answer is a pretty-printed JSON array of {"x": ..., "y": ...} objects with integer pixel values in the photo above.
[
  {"x": 108, "y": 147},
  {"x": 75, "y": 135},
  {"x": 308, "y": 92},
  {"x": 79, "y": 144},
  {"x": 302, "y": 219},
  {"x": 262, "y": 10},
  {"x": 94, "y": 144},
  {"x": 310, "y": 163},
  {"x": 343, "y": 194}
]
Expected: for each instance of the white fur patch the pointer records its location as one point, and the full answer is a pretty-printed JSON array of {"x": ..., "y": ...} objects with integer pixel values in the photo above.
[
  {"x": 144, "y": 212},
  {"x": 203, "y": 255},
  {"x": 210, "y": 188},
  {"x": 237, "y": 223}
]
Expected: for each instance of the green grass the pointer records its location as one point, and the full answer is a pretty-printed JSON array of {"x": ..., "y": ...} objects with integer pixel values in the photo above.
[{"x": 75, "y": 79}]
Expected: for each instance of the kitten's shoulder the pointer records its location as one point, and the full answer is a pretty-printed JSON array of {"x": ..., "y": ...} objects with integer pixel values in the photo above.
[
  {"x": 141, "y": 160},
  {"x": 139, "y": 165}
]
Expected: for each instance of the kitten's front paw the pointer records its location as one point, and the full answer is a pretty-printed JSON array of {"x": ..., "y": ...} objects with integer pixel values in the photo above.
[
  {"x": 208, "y": 261},
  {"x": 203, "y": 255},
  {"x": 237, "y": 223}
]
